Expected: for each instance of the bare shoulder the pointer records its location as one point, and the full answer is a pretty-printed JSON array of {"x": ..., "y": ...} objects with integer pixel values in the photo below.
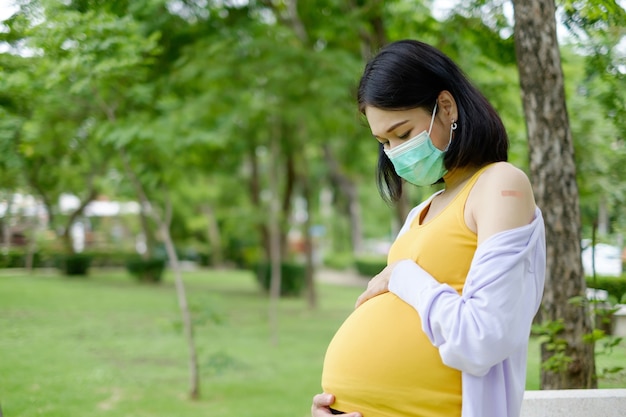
[
  {"x": 502, "y": 175},
  {"x": 503, "y": 199}
]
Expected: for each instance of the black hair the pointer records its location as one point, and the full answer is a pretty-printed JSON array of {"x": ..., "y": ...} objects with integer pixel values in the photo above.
[{"x": 410, "y": 74}]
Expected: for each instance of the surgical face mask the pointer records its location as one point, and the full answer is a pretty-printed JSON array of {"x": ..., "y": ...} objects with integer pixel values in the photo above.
[{"x": 418, "y": 160}]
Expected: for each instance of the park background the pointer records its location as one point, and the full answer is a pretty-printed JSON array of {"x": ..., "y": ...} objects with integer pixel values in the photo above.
[{"x": 159, "y": 157}]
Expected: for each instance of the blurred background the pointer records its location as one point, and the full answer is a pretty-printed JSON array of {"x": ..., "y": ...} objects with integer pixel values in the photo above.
[
  {"x": 206, "y": 112},
  {"x": 198, "y": 141}
]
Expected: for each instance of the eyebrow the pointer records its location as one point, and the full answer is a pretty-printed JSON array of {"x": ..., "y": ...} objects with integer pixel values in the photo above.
[
  {"x": 396, "y": 125},
  {"x": 392, "y": 127}
]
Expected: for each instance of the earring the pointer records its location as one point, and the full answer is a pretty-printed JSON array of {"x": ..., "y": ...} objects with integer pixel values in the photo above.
[{"x": 453, "y": 127}]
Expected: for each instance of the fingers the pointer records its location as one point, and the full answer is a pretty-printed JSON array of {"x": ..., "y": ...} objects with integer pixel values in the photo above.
[
  {"x": 323, "y": 400},
  {"x": 321, "y": 404},
  {"x": 362, "y": 298},
  {"x": 377, "y": 285}
]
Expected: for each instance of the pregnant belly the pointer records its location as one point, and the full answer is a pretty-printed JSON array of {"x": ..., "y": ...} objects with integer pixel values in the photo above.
[{"x": 381, "y": 363}]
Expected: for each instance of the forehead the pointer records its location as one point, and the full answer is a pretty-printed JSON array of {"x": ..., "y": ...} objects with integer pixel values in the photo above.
[{"x": 380, "y": 120}]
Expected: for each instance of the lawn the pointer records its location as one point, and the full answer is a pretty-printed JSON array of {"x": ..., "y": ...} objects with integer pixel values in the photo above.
[{"x": 106, "y": 346}]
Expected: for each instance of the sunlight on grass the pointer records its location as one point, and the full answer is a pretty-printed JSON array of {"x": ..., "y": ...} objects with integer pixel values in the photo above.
[{"x": 107, "y": 346}]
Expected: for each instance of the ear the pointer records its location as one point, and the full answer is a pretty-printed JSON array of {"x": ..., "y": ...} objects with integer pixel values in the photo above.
[{"x": 447, "y": 106}]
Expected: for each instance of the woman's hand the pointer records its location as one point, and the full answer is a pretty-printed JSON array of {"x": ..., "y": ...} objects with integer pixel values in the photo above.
[
  {"x": 377, "y": 285},
  {"x": 321, "y": 406}
]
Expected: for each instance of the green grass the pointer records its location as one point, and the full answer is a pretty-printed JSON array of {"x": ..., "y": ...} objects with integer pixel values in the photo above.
[{"x": 107, "y": 346}]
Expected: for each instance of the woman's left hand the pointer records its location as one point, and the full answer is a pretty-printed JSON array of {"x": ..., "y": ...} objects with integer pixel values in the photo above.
[{"x": 377, "y": 285}]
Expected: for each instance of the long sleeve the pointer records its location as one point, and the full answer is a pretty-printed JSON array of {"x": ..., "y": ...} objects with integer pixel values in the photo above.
[{"x": 491, "y": 319}]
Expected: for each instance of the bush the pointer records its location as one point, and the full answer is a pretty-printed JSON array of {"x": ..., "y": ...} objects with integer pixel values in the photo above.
[
  {"x": 615, "y": 286},
  {"x": 293, "y": 277},
  {"x": 16, "y": 258},
  {"x": 146, "y": 270},
  {"x": 108, "y": 258},
  {"x": 76, "y": 264},
  {"x": 339, "y": 260},
  {"x": 370, "y": 266}
]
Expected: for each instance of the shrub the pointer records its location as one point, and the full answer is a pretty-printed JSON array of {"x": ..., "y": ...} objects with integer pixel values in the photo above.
[
  {"x": 293, "y": 276},
  {"x": 108, "y": 258},
  {"x": 146, "y": 270},
  {"x": 615, "y": 286},
  {"x": 16, "y": 258},
  {"x": 76, "y": 264},
  {"x": 339, "y": 260},
  {"x": 370, "y": 265}
]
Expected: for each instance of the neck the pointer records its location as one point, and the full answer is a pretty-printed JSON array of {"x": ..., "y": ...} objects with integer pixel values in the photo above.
[{"x": 458, "y": 176}]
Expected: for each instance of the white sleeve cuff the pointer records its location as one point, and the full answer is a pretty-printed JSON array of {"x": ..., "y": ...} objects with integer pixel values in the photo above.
[{"x": 409, "y": 281}]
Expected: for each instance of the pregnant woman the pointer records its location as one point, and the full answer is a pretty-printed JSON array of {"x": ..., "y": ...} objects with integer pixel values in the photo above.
[{"x": 443, "y": 329}]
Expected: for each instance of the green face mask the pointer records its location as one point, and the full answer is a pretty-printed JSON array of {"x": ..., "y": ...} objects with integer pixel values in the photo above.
[{"x": 418, "y": 160}]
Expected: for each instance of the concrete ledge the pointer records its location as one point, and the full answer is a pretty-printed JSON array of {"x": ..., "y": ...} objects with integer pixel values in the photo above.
[{"x": 575, "y": 403}]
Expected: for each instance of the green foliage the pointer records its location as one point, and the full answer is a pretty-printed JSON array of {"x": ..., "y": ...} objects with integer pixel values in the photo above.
[
  {"x": 146, "y": 270},
  {"x": 548, "y": 333},
  {"x": 74, "y": 264},
  {"x": 293, "y": 276},
  {"x": 194, "y": 92},
  {"x": 615, "y": 286},
  {"x": 601, "y": 337},
  {"x": 339, "y": 260},
  {"x": 45, "y": 258},
  {"x": 16, "y": 258},
  {"x": 608, "y": 347},
  {"x": 108, "y": 257},
  {"x": 595, "y": 78},
  {"x": 369, "y": 266}
]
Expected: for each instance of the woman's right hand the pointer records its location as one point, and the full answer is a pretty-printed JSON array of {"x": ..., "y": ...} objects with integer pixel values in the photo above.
[{"x": 321, "y": 406}]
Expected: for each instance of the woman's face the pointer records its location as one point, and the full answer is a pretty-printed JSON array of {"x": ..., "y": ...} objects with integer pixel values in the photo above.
[{"x": 393, "y": 127}]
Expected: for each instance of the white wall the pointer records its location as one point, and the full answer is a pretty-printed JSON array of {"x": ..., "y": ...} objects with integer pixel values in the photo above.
[{"x": 575, "y": 403}]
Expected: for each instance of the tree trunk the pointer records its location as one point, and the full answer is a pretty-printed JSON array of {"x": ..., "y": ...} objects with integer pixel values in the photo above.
[
  {"x": 67, "y": 231},
  {"x": 144, "y": 221},
  {"x": 31, "y": 243},
  {"x": 275, "y": 239},
  {"x": 290, "y": 181},
  {"x": 163, "y": 222},
  {"x": 309, "y": 245},
  {"x": 194, "y": 375},
  {"x": 255, "y": 196},
  {"x": 350, "y": 191},
  {"x": 213, "y": 234},
  {"x": 553, "y": 174},
  {"x": 603, "y": 217},
  {"x": 7, "y": 231}
]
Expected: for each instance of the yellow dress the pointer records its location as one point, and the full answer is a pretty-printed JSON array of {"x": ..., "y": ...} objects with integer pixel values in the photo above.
[{"x": 380, "y": 362}]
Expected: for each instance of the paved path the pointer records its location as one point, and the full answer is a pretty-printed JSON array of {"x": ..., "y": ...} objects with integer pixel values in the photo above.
[{"x": 347, "y": 277}]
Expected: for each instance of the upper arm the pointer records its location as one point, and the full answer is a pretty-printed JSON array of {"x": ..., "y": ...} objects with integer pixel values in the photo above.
[{"x": 502, "y": 199}]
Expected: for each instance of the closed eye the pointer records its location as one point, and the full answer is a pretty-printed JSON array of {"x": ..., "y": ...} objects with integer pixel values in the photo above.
[
  {"x": 382, "y": 141},
  {"x": 405, "y": 135}
]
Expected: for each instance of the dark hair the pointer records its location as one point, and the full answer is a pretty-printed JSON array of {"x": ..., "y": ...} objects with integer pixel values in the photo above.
[{"x": 409, "y": 74}]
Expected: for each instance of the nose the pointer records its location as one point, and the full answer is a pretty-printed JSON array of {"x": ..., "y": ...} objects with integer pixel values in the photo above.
[{"x": 393, "y": 143}]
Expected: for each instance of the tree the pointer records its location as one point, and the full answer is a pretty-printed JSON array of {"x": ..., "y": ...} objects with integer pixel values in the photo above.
[
  {"x": 596, "y": 29},
  {"x": 51, "y": 136},
  {"x": 98, "y": 64},
  {"x": 553, "y": 173}
]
